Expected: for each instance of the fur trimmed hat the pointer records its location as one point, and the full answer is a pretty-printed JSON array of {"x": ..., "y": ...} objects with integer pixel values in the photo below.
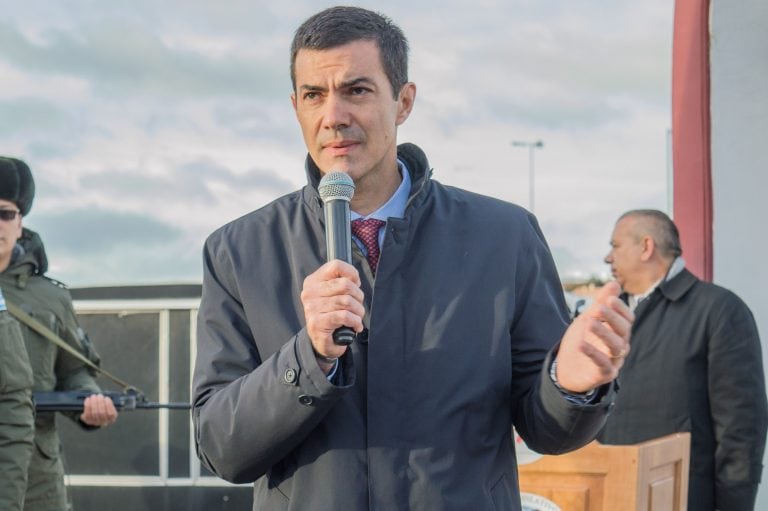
[{"x": 16, "y": 183}]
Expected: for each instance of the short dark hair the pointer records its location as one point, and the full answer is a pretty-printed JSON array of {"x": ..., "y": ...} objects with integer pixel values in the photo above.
[
  {"x": 338, "y": 26},
  {"x": 660, "y": 227}
]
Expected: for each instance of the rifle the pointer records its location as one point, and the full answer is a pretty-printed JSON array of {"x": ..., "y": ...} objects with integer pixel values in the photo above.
[{"x": 73, "y": 401}]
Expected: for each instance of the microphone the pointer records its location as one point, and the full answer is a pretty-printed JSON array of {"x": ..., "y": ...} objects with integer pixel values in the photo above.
[{"x": 336, "y": 190}]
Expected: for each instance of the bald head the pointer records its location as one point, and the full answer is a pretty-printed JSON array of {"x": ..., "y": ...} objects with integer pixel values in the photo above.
[{"x": 661, "y": 228}]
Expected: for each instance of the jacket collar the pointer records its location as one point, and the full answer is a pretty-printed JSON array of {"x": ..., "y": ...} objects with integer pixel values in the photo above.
[
  {"x": 29, "y": 258},
  {"x": 672, "y": 290},
  {"x": 676, "y": 287},
  {"x": 30, "y": 252}
]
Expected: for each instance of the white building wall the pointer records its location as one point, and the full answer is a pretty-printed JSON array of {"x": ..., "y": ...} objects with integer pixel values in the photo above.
[{"x": 739, "y": 115}]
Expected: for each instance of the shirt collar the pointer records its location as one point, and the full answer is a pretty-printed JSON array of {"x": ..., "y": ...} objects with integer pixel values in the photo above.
[
  {"x": 395, "y": 206},
  {"x": 675, "y": 268}
]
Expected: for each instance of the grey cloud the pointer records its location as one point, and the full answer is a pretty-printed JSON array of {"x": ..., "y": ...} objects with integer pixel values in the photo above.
[
  {"x": 562, "y": 72},
  {"x": 190, "y": 182},
  {"x": 202, "y": 170},
  {"x": 244, "y": 16},
  {"x": 603, "y": 66},
  {"x": 257, "y": 122},
  {"x": 587, "y": 114},
  {"x": 131, "y": 79},
  {"x": 542, "y": 114},
  {"x": 148, "y": 264},
  {"x": 51, "y": 148},
  {"x": 100, "y": 247},
  {"x": 96, "y": 233},
  {"x": 29, "y": 115},
  {"x": 46, "y": 128},
  {"x": 617, "y": 51},
  {"x": 554, "y": 114},
  {"x": 120, "y": 57}
]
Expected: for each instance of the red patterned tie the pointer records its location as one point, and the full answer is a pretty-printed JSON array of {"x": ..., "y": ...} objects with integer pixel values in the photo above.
[{"x": 367, "y": 231}]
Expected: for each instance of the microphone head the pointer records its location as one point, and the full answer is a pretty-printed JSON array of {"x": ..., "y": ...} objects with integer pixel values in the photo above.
[{"x": 336, "y": 185}]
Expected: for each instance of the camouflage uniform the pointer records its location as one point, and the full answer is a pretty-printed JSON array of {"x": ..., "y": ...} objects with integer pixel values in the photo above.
[
  {"x": 50, "y": 303},
  {"x": 16, "y": 414}
]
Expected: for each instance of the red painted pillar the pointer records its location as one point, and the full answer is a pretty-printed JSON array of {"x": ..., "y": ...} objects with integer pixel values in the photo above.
[{"x": 691, "y": 134}]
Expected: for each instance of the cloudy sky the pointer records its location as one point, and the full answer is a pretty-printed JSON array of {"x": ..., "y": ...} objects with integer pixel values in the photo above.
[{"x": 147, "y": 124}]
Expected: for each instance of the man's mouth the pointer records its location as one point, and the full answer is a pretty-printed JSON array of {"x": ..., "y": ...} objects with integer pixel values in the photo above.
[
  {"x": 340, "y": 147},
  {"x": 339, "y": 144}
]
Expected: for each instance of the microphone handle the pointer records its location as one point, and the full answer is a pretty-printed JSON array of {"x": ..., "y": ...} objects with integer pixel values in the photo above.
[{"x": 338, "y": 239}]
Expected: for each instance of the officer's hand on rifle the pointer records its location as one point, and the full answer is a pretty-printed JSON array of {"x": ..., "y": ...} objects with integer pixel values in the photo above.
[{"x": 98, "y": 411}]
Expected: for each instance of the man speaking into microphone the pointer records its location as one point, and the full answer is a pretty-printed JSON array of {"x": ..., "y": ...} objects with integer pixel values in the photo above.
[{"x": 459, "y": 321}]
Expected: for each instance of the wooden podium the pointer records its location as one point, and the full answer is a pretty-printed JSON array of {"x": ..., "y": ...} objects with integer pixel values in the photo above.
[{"x": 650, "y": 476}]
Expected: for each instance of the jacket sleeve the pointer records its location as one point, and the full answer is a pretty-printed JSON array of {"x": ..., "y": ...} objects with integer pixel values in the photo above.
[
  {"x": 16, "y": 416},
  {"x": 738, "y": 404},
  {"x": 71, "y": 373},
  {"x": 545, "y": 419},
  {"x": 250, "y": 413}
]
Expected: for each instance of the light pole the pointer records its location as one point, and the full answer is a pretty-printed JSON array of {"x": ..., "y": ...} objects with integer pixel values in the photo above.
[{"x": 532, "y": 146}]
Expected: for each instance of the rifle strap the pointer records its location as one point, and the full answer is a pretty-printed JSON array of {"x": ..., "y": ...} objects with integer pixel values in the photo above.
[{"x": 46, "y": 332}]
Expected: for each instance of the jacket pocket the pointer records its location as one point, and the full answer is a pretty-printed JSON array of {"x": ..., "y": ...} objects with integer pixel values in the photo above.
[
  {"x": 15, "y": 371},
  {"x": 502, "y": 496},
  {"x": 280, "y": 476},
  {"x": 47, "y": 443},
  {"x": 265, "y": 496}
]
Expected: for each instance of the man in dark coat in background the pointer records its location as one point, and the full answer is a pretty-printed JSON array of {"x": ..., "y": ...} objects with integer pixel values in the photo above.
[
  {"x": 695, "y": 365},
  {"x": 459, "y": 314}
]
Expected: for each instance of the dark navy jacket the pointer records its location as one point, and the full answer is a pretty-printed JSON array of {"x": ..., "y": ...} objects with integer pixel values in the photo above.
[
  {"x": 696, "y": 366},
  {"x": 465, "y": 306}
]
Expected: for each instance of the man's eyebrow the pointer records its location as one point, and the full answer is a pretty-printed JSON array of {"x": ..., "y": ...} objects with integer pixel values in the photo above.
[
  {"x": 357, "y": 81},
  {"x": 313, "y": 88},
  {"x": 344, "y": 85}
]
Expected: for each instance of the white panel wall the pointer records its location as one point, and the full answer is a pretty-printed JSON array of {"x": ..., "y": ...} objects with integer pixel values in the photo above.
[{"x": 739, "y": 113}]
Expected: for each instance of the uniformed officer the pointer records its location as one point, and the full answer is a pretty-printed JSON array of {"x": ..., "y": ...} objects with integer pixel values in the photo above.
[
  {"x": 16, "y": 414},
  {"x": 23, "y": 264}
]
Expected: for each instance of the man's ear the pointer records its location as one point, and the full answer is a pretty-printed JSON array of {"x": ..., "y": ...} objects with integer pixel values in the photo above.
[
  {"x": 405, "y": 100},
  {"x": 649, "y": 248},
  {"x": 293, "y": 100}
]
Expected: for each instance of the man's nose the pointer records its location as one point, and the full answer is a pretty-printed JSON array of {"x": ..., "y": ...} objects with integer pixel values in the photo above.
[
  {"x": 608, "y": 259},
  {"x": 336, "y": 113}
]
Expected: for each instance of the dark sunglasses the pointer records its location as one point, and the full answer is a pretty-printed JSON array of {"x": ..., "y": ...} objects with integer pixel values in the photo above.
[{"x": 8, "y": 214}]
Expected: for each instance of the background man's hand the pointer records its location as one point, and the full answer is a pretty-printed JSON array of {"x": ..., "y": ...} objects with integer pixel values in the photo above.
[
  {"x": 332, "y": 298},
  {"x": 98, "y": 411},
  {"x": 594, "y": 346}
]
